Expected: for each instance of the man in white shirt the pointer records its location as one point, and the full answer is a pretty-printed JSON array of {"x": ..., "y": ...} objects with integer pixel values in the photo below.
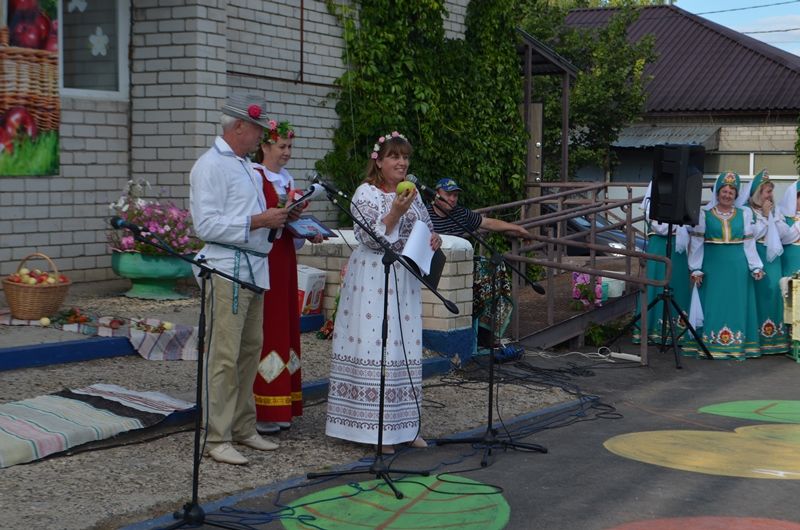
[{"x": 230, "y": 215}]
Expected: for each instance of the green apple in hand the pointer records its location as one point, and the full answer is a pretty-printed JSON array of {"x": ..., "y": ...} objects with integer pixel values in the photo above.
[{"x": 405, "y": 185}]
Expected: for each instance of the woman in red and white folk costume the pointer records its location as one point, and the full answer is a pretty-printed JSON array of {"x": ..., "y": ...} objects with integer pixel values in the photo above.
[
  {"x": 278, "y": 385},
  {"x": 354, "y": 389}
]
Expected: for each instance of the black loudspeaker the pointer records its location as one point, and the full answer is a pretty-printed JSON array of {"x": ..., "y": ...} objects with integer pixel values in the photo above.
[{"x": 677, "y": 184}]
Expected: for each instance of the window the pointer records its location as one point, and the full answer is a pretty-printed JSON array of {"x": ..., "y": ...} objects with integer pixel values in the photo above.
[
  {"x": 94, "y": 48},
  {"x": 719, "y": 162}
]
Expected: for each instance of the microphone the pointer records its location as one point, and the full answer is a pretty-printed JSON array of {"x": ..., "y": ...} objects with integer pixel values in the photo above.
[
  {"x": 425, "y": 190},
  {"x": 330, "y": 188},
  {"x": 314, "y": 191},
  {"x": 119, "y": 222}
]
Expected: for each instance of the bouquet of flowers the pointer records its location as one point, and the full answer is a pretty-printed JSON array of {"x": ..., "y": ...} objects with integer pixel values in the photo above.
[
  {"x": 163, "y": 222},
  {"x": 582, "y": 293}
]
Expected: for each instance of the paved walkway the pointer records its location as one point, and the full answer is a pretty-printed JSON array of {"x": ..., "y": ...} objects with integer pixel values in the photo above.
[{"x": 641, "y": 455}]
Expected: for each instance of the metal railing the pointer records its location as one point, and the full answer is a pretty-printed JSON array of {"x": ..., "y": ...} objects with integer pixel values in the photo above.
[{"x": 552, "y": 242}]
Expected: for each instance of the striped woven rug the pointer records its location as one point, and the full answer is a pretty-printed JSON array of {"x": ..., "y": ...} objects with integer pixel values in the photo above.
[{"x": 32, "y": 429}]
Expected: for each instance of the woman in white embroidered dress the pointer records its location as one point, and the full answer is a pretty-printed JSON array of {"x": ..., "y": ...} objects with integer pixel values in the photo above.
[{"x": 354, "y": 390}]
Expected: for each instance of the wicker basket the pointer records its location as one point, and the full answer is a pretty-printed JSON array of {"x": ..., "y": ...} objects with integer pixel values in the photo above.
[
  {"x": 31, "y": 302},
  {"x": 29, "y": 78}
]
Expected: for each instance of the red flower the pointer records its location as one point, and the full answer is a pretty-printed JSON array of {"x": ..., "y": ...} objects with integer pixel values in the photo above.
[{"x": 254, "y": 111}]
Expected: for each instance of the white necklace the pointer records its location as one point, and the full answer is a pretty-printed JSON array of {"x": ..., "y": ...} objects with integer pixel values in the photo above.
[{"x": 723, "y": 214}]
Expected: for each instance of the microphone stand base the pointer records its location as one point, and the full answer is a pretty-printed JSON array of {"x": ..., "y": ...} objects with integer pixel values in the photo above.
[
  {"x": 378, "y": 468},
  {"x": 490, "y": 441}
]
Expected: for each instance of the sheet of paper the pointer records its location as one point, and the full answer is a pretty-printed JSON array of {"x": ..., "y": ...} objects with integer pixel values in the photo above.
[{"x": 418, "y": 247}]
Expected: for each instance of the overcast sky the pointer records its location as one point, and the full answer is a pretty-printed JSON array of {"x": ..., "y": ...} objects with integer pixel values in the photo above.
[{"x": 784, "y": 15}]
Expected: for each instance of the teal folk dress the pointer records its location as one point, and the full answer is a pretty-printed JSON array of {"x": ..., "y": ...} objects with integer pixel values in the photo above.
[
  {"x": 724, "y": 250},
  {"x": 790, "y": 259},
  {"x": 773, "y": 335},
  {"x": 679, "y": 282}
]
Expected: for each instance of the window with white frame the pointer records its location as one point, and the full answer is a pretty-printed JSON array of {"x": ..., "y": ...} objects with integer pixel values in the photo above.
[{"x": 94, "y": 48}]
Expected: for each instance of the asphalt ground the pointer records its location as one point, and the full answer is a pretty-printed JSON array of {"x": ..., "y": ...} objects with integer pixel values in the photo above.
[{"x": 632, "y": 452}]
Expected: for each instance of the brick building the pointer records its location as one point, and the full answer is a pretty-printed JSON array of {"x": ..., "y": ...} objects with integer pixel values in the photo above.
[{"x": 150, "y": 108}]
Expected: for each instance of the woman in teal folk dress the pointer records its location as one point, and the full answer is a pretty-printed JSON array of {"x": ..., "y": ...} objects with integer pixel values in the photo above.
[
  {"x": 768, "y": 229},
  {"x": 724, "y": 262},
  {"x": 790, "y": 208}
]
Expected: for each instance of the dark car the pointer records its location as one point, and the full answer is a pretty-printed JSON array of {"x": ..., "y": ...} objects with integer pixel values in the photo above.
[{"x": 613, "y": 238}]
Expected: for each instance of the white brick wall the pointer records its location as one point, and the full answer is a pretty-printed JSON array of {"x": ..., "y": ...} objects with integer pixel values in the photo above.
[
  {"x": 758, "y": 138},
  {"x": 454, "y": 23},
  {"x": 178, "y": 83}
]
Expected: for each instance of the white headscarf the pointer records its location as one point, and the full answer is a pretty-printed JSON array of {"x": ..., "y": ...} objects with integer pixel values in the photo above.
[
  {"x": 788, "y": 204},
  {"x": 646, "y": 200},
  {"x": 744, "y": 194}
]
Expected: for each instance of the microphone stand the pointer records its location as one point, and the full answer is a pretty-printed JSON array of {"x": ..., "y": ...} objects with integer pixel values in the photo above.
[
  {"x": 379, "y": 468},
  {"x": 193, "y": 514},
  {"x": 490, "y": 440}
]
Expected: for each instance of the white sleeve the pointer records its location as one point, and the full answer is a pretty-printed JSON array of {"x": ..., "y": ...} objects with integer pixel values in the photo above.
[
  {"x": 659, "y": 228},
  {"x": 697, "y": 244},
  {"x": 791, "y": 233},
  {"x": 783, "y": 228},
  {"x": 208, "y": 200},
  {"x": 753, "y": 260},
  {"x": 369, "y": 206},
  {"x": 759, "y": 222}
]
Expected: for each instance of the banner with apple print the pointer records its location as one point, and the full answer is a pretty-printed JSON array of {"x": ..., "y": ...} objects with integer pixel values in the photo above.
[{"x": 29, "y": 96}]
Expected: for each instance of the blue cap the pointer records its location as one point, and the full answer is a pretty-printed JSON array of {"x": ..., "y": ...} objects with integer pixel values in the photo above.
[{"x": 447, "y": 184}]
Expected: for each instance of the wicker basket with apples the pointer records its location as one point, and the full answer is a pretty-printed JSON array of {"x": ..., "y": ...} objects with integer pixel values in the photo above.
[{"x": 33, "y": 293}]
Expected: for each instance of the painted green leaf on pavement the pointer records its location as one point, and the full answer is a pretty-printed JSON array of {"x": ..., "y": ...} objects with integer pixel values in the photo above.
[
  {"x": 772, "y": 410},
  {"x": 446, "y": 502}
]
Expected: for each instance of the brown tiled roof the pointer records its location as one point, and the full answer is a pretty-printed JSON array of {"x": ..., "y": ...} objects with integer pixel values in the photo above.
[{"x": 703, "y": 67}]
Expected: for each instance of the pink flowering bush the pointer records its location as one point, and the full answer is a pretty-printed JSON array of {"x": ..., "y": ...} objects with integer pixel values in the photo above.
[
  {"x": 166, "y": 222},
  {"x": 582, "y": 293}
]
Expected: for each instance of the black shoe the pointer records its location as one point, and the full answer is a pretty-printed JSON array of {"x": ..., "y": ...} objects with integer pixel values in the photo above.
[{"x": 267, "y": 427}]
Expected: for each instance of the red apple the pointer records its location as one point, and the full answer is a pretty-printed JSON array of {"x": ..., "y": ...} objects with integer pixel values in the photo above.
[
  {"x": 52, "y": 43},
  {"x": 19, "y": 117},
  {"x": 42, "y": 23},
  {"x": 29, "y": 29},
  {"x": 16, "y": 278}
]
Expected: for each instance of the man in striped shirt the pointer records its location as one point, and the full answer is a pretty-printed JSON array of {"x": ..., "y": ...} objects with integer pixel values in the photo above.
[{"x": 450, "y": 218}]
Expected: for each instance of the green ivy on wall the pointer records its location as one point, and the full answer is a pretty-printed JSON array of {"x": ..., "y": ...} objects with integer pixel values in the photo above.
[{"x": 456, "y": 100}]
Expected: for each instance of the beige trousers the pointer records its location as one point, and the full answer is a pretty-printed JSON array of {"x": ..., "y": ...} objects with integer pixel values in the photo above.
[{"x": 231, "y": 364}]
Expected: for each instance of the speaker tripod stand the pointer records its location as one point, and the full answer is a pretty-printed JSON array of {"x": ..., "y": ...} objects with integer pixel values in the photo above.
[{"x": 668, "y": 318}]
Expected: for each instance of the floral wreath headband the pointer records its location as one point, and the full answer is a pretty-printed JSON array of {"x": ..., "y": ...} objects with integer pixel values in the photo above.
[
  {"x": 276, "y": 131},
  {"x": 386, "y": 137}
]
